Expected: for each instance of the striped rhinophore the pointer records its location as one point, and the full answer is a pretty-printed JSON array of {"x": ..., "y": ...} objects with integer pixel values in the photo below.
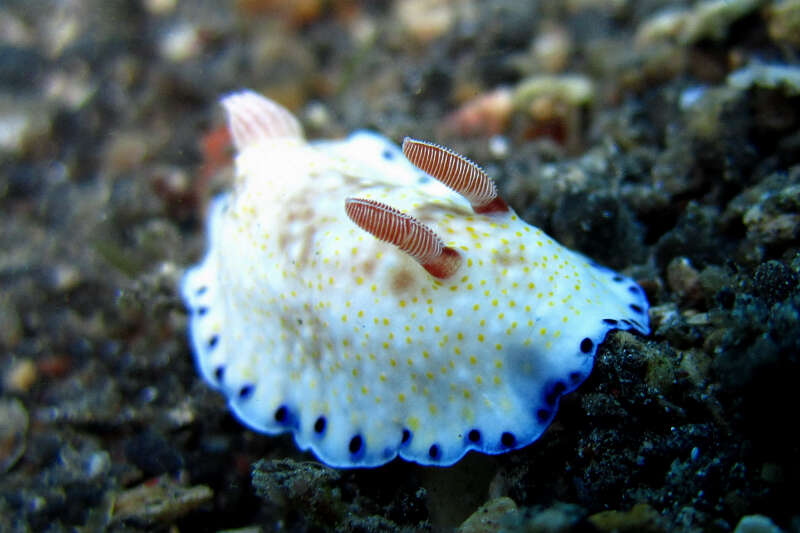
[
  {"x": 406, "y": 232},
  {"x": 457, "y": 172}
]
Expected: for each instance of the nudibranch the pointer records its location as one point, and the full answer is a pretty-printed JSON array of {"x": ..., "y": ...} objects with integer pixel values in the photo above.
[{"x": 379, "y": 301}]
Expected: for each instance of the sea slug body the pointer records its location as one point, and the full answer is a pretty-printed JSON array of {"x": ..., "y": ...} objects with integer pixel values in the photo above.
[{"x": 379, "y": 301}]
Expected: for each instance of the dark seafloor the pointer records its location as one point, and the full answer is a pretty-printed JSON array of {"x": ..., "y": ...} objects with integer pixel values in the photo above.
[{"x": 660, "y": 138}]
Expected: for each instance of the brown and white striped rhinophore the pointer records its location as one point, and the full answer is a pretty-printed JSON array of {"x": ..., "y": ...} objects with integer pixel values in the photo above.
[
  {"x": 457, "y": 172},
  {"x": 407, "y": 233},
  {"x": 378, "y": 302}
]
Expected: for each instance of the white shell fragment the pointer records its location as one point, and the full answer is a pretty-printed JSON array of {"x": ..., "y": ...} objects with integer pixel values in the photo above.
[{"x": 310, "y": 324}]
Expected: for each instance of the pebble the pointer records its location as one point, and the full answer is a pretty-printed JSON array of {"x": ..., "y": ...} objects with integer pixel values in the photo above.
[
  {"x": 181, "y": 415},
  {"x": 163, "y": 499},
  {"x": 180, "y": 43},
  {"x": 296, "y": 12},
  {"x": 285, "y": 480},
  {"x": 13, "y": 125},
  {"x": 22, "y": 125},
  {"x": 426, "y": 20},
  {"x": 160, "y": 7},
  {"x": 696, "y": 364},
  {"x": 65, "y": 24},
  {"x": 770, "y": 227},
  {"x": 682, "y": 278},
  {"x": 662, "y": 26},
  {"x": 783, "y": 22},
  {"x": 65, "y": 277},
  {"x": 711, "y": 19},
  {"x": 696, "y": 319},
  {"x": 560, "y": 518},
  {"x": 756, "y": 523},
  {"x": 15, "y": 31},
  {"x": 54, "y": 366},
  {"x": 173, "y": 184},
  {"x": 694, "y": 455},
  {"x": 640, "y": 518},
  {"x": 490, "y": 517},
  {"x": 573, "y": 89},
  {"x": 13, "y": 432},
  {"x": 318, "y": 115},
  {"x": 20, "y": 376},
  {"x": 551, "y": 48},
  {"x": 499, "y": 146},
  {"x": 97, "y": 464},
  {"x": 125, "y": 152},
  {"x": 774, "y": 281},
  {"x": 71, "y": 89},
  {"x": 663, "y": 314},
  {"x": 486, "y": 114},
  {"x": 10, "y": 323},
  {"x": 776, "y": 76}
]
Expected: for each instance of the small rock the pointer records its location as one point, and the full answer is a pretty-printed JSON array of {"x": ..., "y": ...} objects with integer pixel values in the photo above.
[
  {"x": 712, "y": 19},
  {"x": 15, "y": 31},
  {"x": 13, "y": 126},
  {"x": 425, "y": 20},
  {"x": 13, "y": 432},
  {"x": 160, "y": 7},
  {"x": 22, "y": 125},
  {"x": 499, "y": 146},
  {"x": 771, "y": 228},
  {"x": 161, "y": 500},
  {"x": 551, "y": 48},
  {"x": 664, "y": 313},
  {"x": 20, "y": 376},
  {"x": 182, "y": 414},
  {"x": 180, "y": 43},
  {"x": 293, "y": 481},
  {"x": 683, "y": 278},
  {"x": 71, "y": 89},
  {"x": 641, "y": 518},
  {"x": 560, "y": 518},
  {"x": 486, "y": 114},
  {"x": 173, "y": 184},
  {"x": 573, "y": 89},
  {"x": 774, "y": 281},
  {"x": 54, "y": 366},
  {"x": 491, "y": 516},
  {"x": 125, "y": 152},
  {"x": 318, "y": 115},
  {"x": 306, "y": 485},
  {"x": 784, "y": 22},
  {"x": 756, "y": 523},
  {"x": 696, "y": 364},
  {"x": 10, "y": 324},
  {"x": 665, "y": 25},
  {"x": 697, "y": 319},
  {"x": 785, "y": 77},
  {"x": 713, "y": 279},
  {"x": 65, "y": 277}
]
